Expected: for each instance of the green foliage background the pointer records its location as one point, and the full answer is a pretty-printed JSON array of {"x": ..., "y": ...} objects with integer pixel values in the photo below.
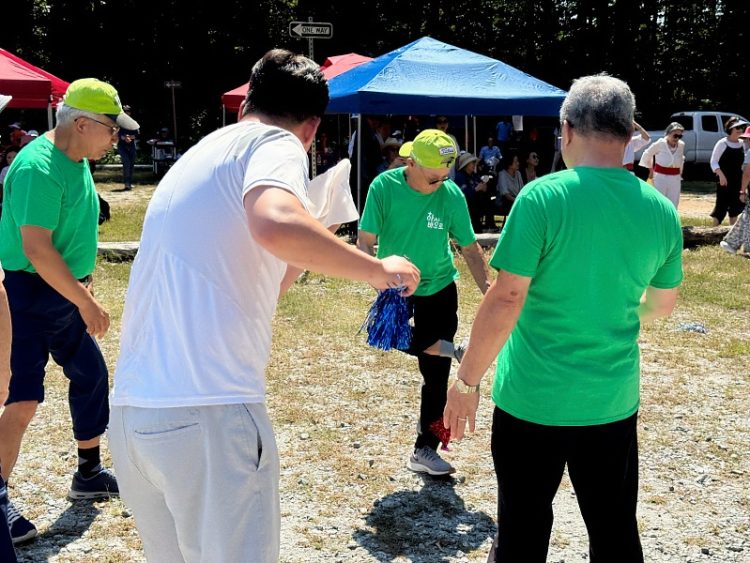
[{"x": 675, "y": 54}]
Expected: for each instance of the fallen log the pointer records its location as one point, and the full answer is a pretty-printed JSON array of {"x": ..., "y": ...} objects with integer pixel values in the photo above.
[
  {"x": 691, "y": 236},
  {"x": 702, "y": 236}
]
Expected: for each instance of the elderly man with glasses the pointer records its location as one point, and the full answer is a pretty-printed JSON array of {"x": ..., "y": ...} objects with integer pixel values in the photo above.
[
  {"x": 564, "y": 315},
  {"x": 48, "y": 247},
  {"x": 665, "y": 159},
  {"x": 415, "y": 211}
]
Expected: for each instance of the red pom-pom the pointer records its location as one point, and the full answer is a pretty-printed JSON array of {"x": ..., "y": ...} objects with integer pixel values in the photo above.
[{"x": 442, "y": 433}]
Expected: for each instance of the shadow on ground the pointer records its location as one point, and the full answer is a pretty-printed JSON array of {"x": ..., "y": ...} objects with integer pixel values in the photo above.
[
  {"x": 69, "y": 527},
  {"x": 429, "y": 525}
]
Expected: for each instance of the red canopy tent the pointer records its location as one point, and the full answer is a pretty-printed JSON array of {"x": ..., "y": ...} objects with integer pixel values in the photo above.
[
  {"x": 30, "y": 86},
  {"x": 333, "y": 66}
]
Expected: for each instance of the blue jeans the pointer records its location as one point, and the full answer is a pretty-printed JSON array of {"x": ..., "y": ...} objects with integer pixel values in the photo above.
[
  {"x": 127, "y": 155},
  {"x": 45, "y": 323}
]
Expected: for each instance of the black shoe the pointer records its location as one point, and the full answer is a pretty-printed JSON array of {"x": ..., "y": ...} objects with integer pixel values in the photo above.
[
  {"x": 101, "y": 485},
  {"x": 21, "y": 529}
]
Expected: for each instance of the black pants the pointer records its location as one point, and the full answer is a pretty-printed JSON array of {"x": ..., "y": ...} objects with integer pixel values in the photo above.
[
  {"x": 435, "y": 318},
  {"x": 603, "y": 467}
]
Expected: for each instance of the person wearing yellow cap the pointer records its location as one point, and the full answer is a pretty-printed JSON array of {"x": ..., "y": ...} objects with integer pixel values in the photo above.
[
  {"x": 48, "y": 247},
  {"x": 415, "y": 211}
]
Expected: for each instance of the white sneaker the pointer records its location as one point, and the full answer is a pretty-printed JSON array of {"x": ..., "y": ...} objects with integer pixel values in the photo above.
[
  {"x": 727, "y": 247},
  {"x": 427, "y": 460}
]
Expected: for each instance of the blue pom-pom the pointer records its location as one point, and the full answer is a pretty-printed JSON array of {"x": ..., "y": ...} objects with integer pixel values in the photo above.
[{"x": 387, "y": 321}]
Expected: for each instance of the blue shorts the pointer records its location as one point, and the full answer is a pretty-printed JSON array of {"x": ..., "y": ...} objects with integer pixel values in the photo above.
[{"x": 45, "y": 323}]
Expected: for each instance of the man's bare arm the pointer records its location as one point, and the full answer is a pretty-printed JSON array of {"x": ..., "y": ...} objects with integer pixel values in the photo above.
[
  {"x": 477, "y": 266},
  {"x": 284, "y": 228},
  {"x": 657, "y": 303},
  {"x": 49, "y": 264}
]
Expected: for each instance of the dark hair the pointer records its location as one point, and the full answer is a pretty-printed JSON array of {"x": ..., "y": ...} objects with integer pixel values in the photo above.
[
  {"x": 507, "y": 159},
  {"x": 287, "y": 85},
  {"x": 731, "y": 123}
]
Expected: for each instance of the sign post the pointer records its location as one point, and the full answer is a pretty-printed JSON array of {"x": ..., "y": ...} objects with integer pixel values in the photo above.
[
  {"x": 311, "y": 30},
  {"x": 173, "y": 84}
]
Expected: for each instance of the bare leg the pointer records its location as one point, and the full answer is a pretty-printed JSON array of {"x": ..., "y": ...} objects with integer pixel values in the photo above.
[
  {"x": 13, "y": 423},
  {"x": 85, "y": 444}
]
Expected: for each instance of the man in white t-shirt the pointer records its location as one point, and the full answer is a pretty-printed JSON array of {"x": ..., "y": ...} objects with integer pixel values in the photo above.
[{"x": 189, "y": 434}]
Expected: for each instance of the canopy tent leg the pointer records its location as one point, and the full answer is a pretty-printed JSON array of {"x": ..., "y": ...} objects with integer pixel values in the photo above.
[
  {"x": 223, "y": 115},
  {"x": 474, "y": 118},
  {"x": 49, "y": 116},
  {"x": 359, "y": 163},
  {"x": 466, "y": 135}
]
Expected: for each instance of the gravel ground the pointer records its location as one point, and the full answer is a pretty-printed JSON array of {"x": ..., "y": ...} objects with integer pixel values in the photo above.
[{"x": 347, "y": 496}]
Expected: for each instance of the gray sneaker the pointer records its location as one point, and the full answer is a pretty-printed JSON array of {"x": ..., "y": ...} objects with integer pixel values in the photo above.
[
  {"x": 427, "y": 460},
  {"x": 727, "y": 247}
]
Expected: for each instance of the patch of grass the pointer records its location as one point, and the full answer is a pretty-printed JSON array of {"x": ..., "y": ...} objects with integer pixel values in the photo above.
[{"x": 126, "y": 223}]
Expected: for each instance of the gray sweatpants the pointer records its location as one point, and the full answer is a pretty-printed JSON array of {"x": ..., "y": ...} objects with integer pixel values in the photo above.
[{"x": 202, "y": 482}]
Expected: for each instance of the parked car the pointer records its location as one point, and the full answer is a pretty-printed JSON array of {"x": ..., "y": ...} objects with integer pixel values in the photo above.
[{"x": 702, "y": 130}]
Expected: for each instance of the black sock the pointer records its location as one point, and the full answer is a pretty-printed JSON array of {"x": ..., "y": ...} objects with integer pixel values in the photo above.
[{"x": 89, "y": 462}]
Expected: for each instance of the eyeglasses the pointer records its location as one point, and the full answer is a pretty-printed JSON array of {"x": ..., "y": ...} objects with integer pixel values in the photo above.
[
  {"x": 114, "y": 129},
  {"x": 435, "y": 181},
  {"x": 534, "y": 156},
  {"x": 676, "y": 136}
]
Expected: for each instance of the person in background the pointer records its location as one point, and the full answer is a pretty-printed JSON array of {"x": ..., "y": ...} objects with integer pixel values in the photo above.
[
  {"x": 490, "y": 154},
  {"x": 564, "y": 315},
  {"x": 639, "y": 140},
  {"x": 48, "y": 248},
  {"x": 529, "y": 170},
  {"x": 503, "y": 133},
  {"x": 665, "y": 159},
  {"x": 509, "y": 182},
  {"x": 126, "y": 147},
  {"x": 738, "y": 236},
  {"x": 191, "y": 438},
  {"x": 726, "y": 162},
  {"x": 474, "y": 188},
  {"x": 442, "y": 123},
  {"x": 10, "y": 156},
  {"x": 391, "y": 158},
  {"x": 16, "y": 133},
  {"x": 28, "y": 137},
  {"x": 416, "y": 211}
]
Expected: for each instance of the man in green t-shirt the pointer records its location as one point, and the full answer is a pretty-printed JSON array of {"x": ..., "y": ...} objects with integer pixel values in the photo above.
[
  {"x": 415, "y": 211},
  {"x": 586, "y": 256},
  {"x": 48, "y": 246}
]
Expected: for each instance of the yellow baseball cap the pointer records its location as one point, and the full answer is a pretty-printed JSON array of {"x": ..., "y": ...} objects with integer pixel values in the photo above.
[
  {"x": 432, "y": 148},
  {"x": 90, "y": 94}
]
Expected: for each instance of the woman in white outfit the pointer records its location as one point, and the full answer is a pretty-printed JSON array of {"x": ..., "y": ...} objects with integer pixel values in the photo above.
[{"x": 666, "y": 158}]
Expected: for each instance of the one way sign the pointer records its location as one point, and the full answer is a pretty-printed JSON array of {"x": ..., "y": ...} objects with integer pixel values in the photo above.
[{"x": 311, "y": 30}]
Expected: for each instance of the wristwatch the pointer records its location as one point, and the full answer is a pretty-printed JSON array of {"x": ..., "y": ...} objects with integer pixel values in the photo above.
[{"x": 463, "y": 387}]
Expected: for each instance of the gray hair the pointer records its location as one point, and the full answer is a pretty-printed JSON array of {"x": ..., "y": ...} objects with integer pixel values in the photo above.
[
  {"x": 600, "y": 105},
  {"x": 66, "y": 114},
  {"x": 674, "y": 126}
]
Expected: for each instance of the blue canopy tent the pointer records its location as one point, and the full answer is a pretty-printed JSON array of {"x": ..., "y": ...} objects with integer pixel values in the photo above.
[{"x": 429, "y": 76}]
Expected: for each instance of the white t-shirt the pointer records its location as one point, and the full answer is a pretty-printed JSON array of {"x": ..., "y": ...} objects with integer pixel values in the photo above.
[{"x": 196, "y": 328}]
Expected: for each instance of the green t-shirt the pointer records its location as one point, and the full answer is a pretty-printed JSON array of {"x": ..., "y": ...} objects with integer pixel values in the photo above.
[
  {"x": 44, "y": 188},
  {"x": 592, "y": 240},
  {"x": 418, "y": 226}
]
